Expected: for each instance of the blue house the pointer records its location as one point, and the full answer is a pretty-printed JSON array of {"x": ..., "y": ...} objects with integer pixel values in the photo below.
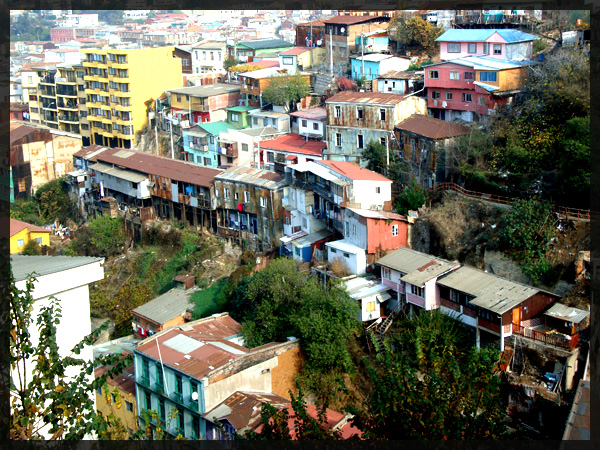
[
  {"x": 376, "y": 41},
  {"x": 376, "y": 64},
  {"x": 201, "y": 143}
]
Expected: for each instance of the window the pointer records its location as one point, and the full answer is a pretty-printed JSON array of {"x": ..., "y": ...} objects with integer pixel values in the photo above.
[
  {"x": 338, "y": 139},
  {"x": 129, "y": 406},
  {"x": 381, "y": 114},
  {"x": 469, "y": 75},
  {"x": 99, "y": 390},
  {"x": 486, "y": 48},
  {"x": 212, "y": 139},
  {"x": 263, "y": 202},
  {"x": 497, "y": 49},
  {"x": 161, "y": 409},
  {"x": 196, "y": 420},
  {"x": 178, "y": 384},
  {"x": 338, "y": 111},
  {"x": 370, "y": 306},
  {"x": 483, "y": 100},
  {"x": 346, "y": 255},
  {"x": 288, "y": 61},
  {"x": 287, "y": 220},
  {"x": 453, "y": 47},
  {"x": 416, "y": 290},
  {"x": 244, "y": 147},
  {"x": 316, "y": 126},
  {"x": 148, "y": 400},
  {"x": 216, "y": 190},
  {"x": 270, "y": 157},
  {"x": 467, "y": 98},
  {"x": 297, "y": 251},
  {"x": 378, "y": 190},
  {"x": 332, "y": 250},
  {"x": 255, "y": 120},
  {"x": 488, "y": 76},
  {"x": 435, "y": 95},
  {"x": 454, "y": 75},
  {"x": 448, "y": 95},
  {"x": 386, "y": 273},
  {"x": 212, "y": 56},
  {"x": 359, "y": 141},
  {"x": 304, "y": 122},
  {"x": 246, "y": 196},
  {"x": 394, "y": 230},
  {"x": 145, "y": 369},
  {"x": 235, "y": 117},
  {"x": 227, "y": 193},
  {"x": 180, "y": 421},
  {"x": 178, "y": 97},
  {"x": 359, "y": 113},
  {"x": 472, "y": 47},
  {"x": 38, "y": 241}
]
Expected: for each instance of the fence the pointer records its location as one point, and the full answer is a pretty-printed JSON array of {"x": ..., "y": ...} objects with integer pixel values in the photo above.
[
  {"x": 574, "y": 213},
  {"x": 557, "y": 340}
]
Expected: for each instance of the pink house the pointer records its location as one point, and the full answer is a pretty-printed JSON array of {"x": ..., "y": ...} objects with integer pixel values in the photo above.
[
  {"x": 413, "y": 276},
  {"x": 470, "y": 87},
  {"x": 508, "y": 45}
]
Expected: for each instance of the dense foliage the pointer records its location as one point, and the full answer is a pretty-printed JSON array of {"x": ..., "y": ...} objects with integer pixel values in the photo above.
[
  {"x": 412, "y": 198},
  {"x": 286, "y": 90},
  {"x": 49, "y": 203},
  {"x": 416, "y": 34},
  {"x": 102, "y": 236},
  {"x": 391, "y": 165},
  {"x": 430, "y": 388}
]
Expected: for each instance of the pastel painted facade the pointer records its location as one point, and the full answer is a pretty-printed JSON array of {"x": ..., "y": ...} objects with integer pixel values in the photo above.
[
  {"x": 310, "y": 122},
  {"x": 504, "y": 44},
  {"x": 21, "y": 233},
  {"x": 376, "y": 64},
  {"x": 352, "y": 256},
  {"x": 399, "y": 82},
  {"x": 208, "y": 56},
  {"x": 373, "y": 42},
  {"x": 275, "y": 154},
  {"x": 279, "y": 120},
  {"x": 298, "y": 59},
  {"x": 371, "y": 296}
]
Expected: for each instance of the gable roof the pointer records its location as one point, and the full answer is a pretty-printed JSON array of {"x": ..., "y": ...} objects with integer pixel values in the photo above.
[
  {"x": 258, "y": 177},
  {"x": 17, "y": 225},
  {"x": 206, "y": 90},
  {"x": 311, "y": 113},
  {"x": 260, "y": 44},
  {"x": 378, "y": 98},
  {"x": 401, "y": 75},
  {"x": 405, "y": 260},
  {"x": 165, "y": 307},
  {"x": 21, "y": 131},
  {"x": 264, "y": 63},
  {"x": 431, "y": 127},
  {"x": 353, "y": 171},
  {"x": 480, "y": 35}
]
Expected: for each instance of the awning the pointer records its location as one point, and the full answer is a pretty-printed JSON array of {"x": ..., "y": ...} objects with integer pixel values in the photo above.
[
  {"x": 118, "y": 173},
  {"x": 291, "y": 237}
]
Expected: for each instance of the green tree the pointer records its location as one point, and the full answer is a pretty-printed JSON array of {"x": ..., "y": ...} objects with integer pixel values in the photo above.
[
  {"x": 416, "y": 34},
  {"x": 286, "y": 90},
  {"x": 26, "y": 210},
  {"x": 391, "y": 166},
  {"x": 107, "y": 235},
  {"x": 427, "y": 390},
  {"x": 31, "y": 248},
  {"x": 412, "y": 198},
  {"x": 54, "y": 202},
  {"x": 50, "y": 399},
  {"x": 230, "y": 62}
]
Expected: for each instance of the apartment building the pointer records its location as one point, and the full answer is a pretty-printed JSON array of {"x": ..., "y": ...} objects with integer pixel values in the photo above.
[
  {"x": 208, "y": 56},
  {"x": 356, "y": 118},
  {"x": 200, "y": 104},
  {"x": 120, "y": 82}
]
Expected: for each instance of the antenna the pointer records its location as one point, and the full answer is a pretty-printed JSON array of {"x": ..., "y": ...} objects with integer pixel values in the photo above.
[{"x": 162, "y": 366}]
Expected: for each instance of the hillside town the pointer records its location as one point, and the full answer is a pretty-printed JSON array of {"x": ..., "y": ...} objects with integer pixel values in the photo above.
[{"x": 299, "y": 224}]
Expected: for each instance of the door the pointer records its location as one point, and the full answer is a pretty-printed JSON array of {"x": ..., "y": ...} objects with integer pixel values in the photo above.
[{"x": 516, "y": 316}]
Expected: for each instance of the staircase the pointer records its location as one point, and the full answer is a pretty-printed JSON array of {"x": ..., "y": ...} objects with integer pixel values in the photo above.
[{"x": 378, "y": 330}]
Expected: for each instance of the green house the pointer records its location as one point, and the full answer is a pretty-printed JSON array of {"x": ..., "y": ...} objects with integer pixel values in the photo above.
[
  {"x": 238, "y": 117},
  {"x": 250, "y": 49}
]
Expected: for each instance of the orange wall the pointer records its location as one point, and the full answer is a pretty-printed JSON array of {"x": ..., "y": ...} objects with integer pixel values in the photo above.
[
  {"x": 282, "y": 375},
  {"x": 379, "y": 235}
]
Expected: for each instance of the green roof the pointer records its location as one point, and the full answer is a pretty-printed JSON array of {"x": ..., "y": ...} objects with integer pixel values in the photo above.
[
  {"x": 215, "y": 128},
  {"x": 241, "y": 108}
]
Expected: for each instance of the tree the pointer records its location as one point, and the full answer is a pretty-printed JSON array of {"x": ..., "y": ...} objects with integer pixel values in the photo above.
[
  {"x": 52, "y": 400},
  {"x": 391, "y": 166},
  {"x": 286, "y": 90},
  {"x": 107, "y": 235},
  {"x": 411, "y": 198},
  {"x": 31, "y": 248},
  {"x": 54, "y": 202},
  {"x": 424, "y": 390},
  {"x": 230, "y": 62},
  {"x": 416, "y": 34},
  {"x": 280, "y": 301}
]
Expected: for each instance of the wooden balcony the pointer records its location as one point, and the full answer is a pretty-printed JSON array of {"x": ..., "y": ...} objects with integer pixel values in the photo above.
[
  {"x": 249, "y": 90},
  {"x": 229, "y": 149},
  {"x": 547, "y": 337}
]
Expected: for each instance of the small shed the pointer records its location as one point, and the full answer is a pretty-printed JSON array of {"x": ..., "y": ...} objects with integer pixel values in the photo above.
[
  {"x": 184, "y": 282},
  {"x": 566, "y": 319}
]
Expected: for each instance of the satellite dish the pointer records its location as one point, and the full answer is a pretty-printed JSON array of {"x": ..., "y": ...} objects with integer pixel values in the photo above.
[
  {"x": 194, "y": 396},
  {"x": 342, "y": 29}
]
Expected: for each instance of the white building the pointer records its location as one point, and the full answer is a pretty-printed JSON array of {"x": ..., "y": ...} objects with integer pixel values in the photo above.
[
  {"x": 16, "y": 91},
  {"x": 78, "y": 20},
  {"x": 278, "y": 120},
  {"x": 370, "y": 295},
  {"x": 310, "y": 122},
  {"x": 67, "y": 279},
  {"x": 208, "y": 56}
]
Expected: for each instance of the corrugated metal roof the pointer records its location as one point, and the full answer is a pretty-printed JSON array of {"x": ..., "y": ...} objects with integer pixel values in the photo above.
[
  {"x": 404, "y": 260},
  {"x": 22, "y": 266},
  {"x": 264, "y": 43},
  {"x": 262, "y": 131},
  {"x": 207, "y": 90},
  {"x": 295, "y": 51},
  {"x": 401, "y": 75},
  {"x": 375, "y": 57},
  {"x": 491, "y": 292},
  {"x": 346, "y": 246},
  {"x": 310, "y": 238},
  {"x": 480, "y": 35},
  {"x": 351, "y": 20},
  {"x": 486, "y": 63},
  {"x": 173, "y": 169},
  {"x": 118, "y": 173},
  {"x": 431, "y": 127},
  {"x": 376, "y": 98},
  {"x": 241, "y": 108},
  {"x": 215, "y": 128},
  {"x": 487, "y": 87},
  {"x": 166, "y": 306},
  {"x": 353, "y": 171},
  {"x": 311, "y": 113},
  {"x": 296, "y": 144},
  {"x": 321, "y": 171},
  {"x": 434, "y": 268},
  {"x": 567, "y": 313},
  {"x": 258, "y": 177},
  {"x": 378, "y": 214},
  {"x": 183, "y": 344},
  {"x": 262, "y": 73}
]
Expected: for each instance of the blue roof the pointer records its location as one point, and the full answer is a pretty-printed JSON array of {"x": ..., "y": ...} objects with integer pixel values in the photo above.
[{"x": 476, "y": 35}]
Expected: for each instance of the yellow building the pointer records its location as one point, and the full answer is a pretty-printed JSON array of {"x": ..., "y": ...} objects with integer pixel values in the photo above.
[
  {"x": 119, "y": 83},
  {"x": 118, "y": 398},
  {"x": 70, "y": 91},
  {"x": 21, "y": 233}
]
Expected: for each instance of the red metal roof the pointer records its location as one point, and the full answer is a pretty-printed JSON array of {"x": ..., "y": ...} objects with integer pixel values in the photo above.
[
  {"x": 85, "y": 152},
  {"x": 366, "y": 97},
  {"x": 125, "y": 381},
  {"x": 431, "y": 127},
  {"x": 17, "y": 225},
  {"x": 264, "y": 63},
  {"x": 295, "y": 51},
  {"x": 353, "y": 171},
  {"x": 160, "y": 165},
  {"x": 295, "y": 143}
]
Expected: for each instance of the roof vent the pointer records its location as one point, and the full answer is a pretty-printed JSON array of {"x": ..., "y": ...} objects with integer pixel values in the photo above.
[{"x": 291, "y": 338}]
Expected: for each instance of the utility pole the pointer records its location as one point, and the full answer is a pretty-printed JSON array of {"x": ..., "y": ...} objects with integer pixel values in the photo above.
[
  {"x": 362, "y": 51},
  {"x": 171, "y": 133},
  {"x": 330, "y": 53}
]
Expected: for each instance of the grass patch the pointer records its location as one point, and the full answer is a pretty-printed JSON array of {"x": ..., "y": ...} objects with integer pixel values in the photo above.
[{"x": 206, "y": 301}]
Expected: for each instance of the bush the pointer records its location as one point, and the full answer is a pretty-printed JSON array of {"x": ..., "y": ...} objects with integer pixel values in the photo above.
[
  {"x": 31, "y": 248},
  {"x": 412, "y": 198}
]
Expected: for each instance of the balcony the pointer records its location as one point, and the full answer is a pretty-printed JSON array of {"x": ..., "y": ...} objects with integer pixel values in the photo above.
[
  {"x": 229, "y": 148},
  {"x": 66, "y": 91},
  {"x": 144, "y": 381},
  {"x": 200, "y": 108},
  {"x": 69, "y": 118},
  {"x": 547, "y": 337},
  {"x": 68, "y": 105},
  {"x": 66, "y": 80},
  {"x": 191, "y": 404},
  {"x": 249, "y": 90},
  {"x": 177, "y": 397},
  {"x": 48, "y": 79},
  {"x": 199, "y": 147}
]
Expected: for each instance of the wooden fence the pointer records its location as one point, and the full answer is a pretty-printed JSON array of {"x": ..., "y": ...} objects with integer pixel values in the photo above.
[
  {"x": 556, "y": 340},
  {"x": 573, "y": 213}
]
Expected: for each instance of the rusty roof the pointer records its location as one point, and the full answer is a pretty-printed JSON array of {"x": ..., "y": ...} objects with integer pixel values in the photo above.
[
  {"x": 353, "y": 171},
  {"x": 295, "y": 143},
  {"x": 401, "y": 75},
  {"x": 315, "y": 23},
  {"x": 431, "y": 127},
  {"x": 17, "y": 225},
  {"x": 378, "y": 98},
  {"x": 90, "y": 152},
  {"x": 197, "y": 347},
  {"x": 124, "y": 381},
  {"x": 352, "y": 20},
  {"x": 21, "y": 131},
  {"x": 160, "y": 166},
  {"x": 242, "y": 409},
  {"x": 311, "y": 113},
  {"x": 258, "y": 177}
]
